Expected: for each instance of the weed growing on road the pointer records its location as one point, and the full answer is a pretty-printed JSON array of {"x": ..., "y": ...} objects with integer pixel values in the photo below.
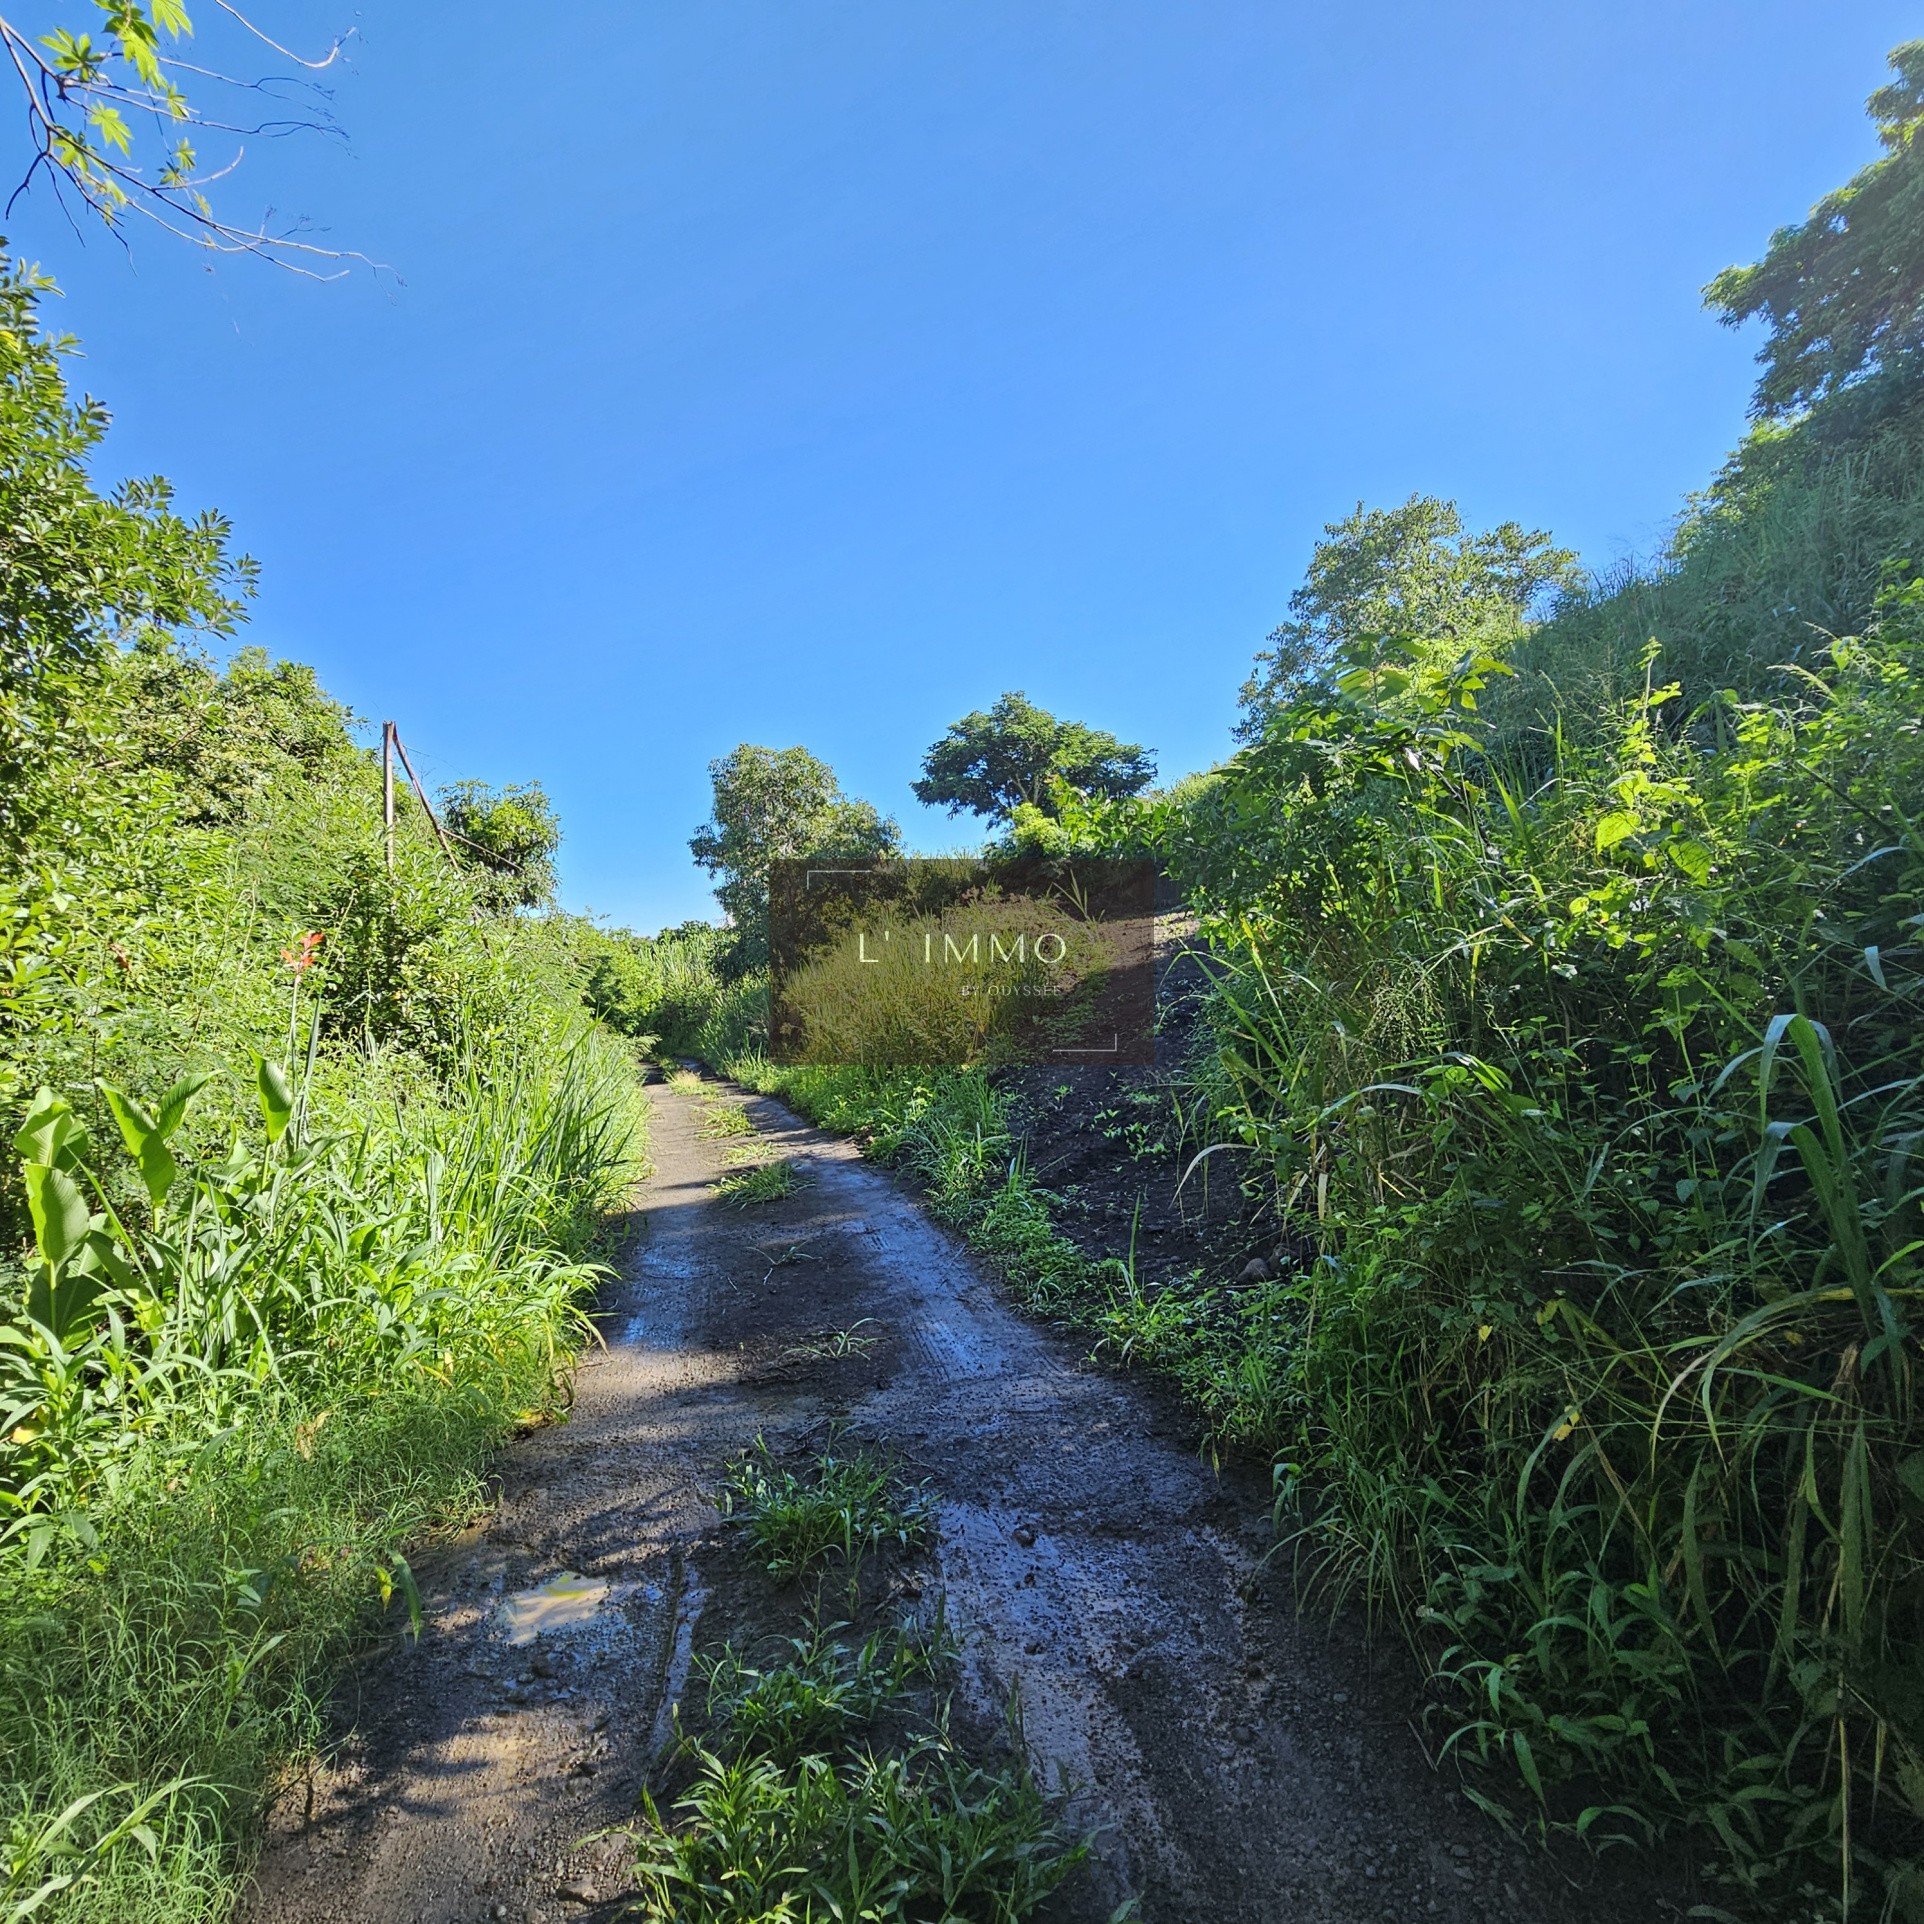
[
  {"x": 763, "y": 1183},
  {"x": 803, "y": 1808},
  {"x": 684, "y": 1082},
  {"x": 837, "y": 1344},
  {"x": 722, "y": 1120},
  {"x": 923, "y": 1834},
  {"x": 781, "y": 1256},
  {"x": 823, "y": 1690},
  {"x": 850, "y": 1502}
]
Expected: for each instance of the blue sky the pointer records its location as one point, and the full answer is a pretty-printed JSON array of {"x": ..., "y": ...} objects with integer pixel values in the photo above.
[{"x": 779, "y": 371}]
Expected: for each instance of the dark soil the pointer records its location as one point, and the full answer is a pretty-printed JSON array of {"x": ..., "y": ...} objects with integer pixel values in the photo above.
[
  {"x": 1116, "y": 1150},
  {"x": 1241, "y": 1765}
]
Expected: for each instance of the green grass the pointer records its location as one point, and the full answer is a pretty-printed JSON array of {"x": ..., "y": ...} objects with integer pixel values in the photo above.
[
  {"x": 827, "y": 1787},
  {"x": 823, "y": 1690},
  {"x": 722, "y": 1120},
  {"x": 837, "y": 1344},
  {"x": 763, "y": 1183},
  {"x": 844, "y": 1505},
  {"x": 921, "y": 1834},
  {"x": 322, "y": 1392}
]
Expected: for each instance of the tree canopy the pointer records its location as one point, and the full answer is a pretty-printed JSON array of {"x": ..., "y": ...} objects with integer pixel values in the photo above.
[
  {"x": 79, "y": 570},
  {"x": 772, "y": 804},
  {"x": 508, "y": 839},
  {"x": 991, "y": 762},
  {"x": 1414, "y": 572},
  {"x": 1842, "y": 292}
]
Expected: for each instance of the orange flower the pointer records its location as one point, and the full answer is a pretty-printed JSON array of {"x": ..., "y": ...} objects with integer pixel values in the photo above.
[{"x": 305, "y": 952}]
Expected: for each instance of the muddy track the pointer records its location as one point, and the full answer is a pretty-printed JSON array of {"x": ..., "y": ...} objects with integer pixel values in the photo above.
[{"x": 1244, "y": 1765}]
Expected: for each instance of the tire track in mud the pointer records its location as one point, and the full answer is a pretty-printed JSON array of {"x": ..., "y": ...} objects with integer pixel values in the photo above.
[{"x": 1242, "y": 1766}]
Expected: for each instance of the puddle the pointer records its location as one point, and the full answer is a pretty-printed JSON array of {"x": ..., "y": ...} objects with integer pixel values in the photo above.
[{"x": 559, "y": 1604}]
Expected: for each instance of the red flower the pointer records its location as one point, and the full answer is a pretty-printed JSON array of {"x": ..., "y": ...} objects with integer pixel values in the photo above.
[{"x": 305, "y": 952}]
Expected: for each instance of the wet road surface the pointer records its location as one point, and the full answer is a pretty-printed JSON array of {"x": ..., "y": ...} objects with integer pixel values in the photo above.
[{"x": 1243, "y": 1766}]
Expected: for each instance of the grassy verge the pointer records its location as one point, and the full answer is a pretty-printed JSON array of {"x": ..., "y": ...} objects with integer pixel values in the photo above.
[{"x": 302, "y": 1359}]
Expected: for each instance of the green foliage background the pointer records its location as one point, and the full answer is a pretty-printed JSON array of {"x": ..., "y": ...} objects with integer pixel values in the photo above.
[{"x": 311, "y": 1183}]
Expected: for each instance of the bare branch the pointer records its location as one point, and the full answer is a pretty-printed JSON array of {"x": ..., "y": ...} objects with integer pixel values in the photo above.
[
  {"x": 85, "y": 103},
  {"x": 313, "y": 66}
]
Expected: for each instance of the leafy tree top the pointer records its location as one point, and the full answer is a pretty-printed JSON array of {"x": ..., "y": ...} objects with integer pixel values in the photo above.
[
  {"x": 1414, "y": 572},
  {"x": 79, "y": 571},
  {"x": 991, "y": 762},
  {"x": 222, "y": 735},
  {"x": 773, "y": 804},
  {"x": 1842, "y": 292},
  {"x": 508, "y": 839}
]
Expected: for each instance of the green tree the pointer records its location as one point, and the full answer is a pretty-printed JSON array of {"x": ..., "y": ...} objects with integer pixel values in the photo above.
[
  {"x": 508, "y": 840},
  {"x": 1412, "y": 572},
  {"x": 1842, "y": 292},
  {"x": 79, "y": 571},
  {"x": 991, "y": 763},
  {"x": 221, "y": 735},
  {"x": 773, "y": 804}
]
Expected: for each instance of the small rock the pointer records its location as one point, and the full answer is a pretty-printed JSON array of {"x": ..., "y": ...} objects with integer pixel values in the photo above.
[
  {"x": 1032, "y": 1649},
  {"x": 1025, "y": 1535},
  {"x": 541, "y": 1667},
  {"x": 1461, "y": 1852},
  {"x": 578, "y": 1891}
]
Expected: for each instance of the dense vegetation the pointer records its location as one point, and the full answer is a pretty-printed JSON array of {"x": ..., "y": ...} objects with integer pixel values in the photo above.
[
  {"x": 308, "y": 1158},
  {"x": 1566, "y": 948}
]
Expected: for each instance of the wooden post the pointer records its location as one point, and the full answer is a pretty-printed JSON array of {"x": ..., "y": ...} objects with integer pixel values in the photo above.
[
  {"x": 387, "y": 789},
  {"x": 434, "y": 820}
]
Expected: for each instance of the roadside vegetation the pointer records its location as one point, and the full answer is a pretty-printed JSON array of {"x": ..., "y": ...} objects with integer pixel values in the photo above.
[
  {"x": 1563, "y": 1039},
  {"x": 307, "y": 1160}
]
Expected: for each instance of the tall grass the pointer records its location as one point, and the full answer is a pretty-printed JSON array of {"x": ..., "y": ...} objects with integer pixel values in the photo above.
[
  {"x": 295, "y": 1360},
  {"x": 1601, "y": 1089},
  {"x": 1784, "y": 551}
]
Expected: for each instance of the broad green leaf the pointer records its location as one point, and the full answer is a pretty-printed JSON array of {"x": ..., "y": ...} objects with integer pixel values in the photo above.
[
  {"x": 158, "y": 1169},
  {"x": 66, "y": 1304},
  {"x": 61, "y": 1217},
  {"x": 51, "y": 1135},
  {"x": 136, "y": 1125},
  {"x": 1910, "y": 1473},
  {"x": 146, "y": 1138},
  {"x": 276, "y": 1098},
  {"x": 172, "y": 16},
  {"x": 1617, "y": 826},
  {"x": 102, "y": 1257},
  {"x": 173, "y": 1105},
  {"x": 1693, "y": 858}
]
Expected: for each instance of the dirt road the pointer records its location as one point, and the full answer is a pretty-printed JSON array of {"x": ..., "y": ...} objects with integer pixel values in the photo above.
[{"x": 1245, "y": 1766}]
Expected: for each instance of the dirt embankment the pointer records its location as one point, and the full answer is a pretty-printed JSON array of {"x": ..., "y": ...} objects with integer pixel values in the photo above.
[{"x": 1242, "y": 1765}]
